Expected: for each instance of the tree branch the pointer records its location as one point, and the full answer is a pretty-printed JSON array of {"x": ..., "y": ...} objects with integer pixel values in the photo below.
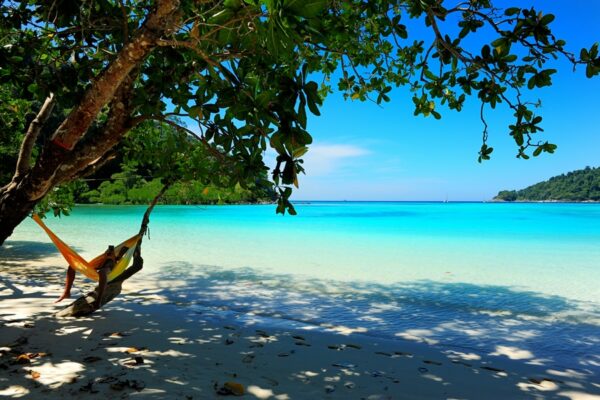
[
  {"x": 141, "y": 118},
  {"x": 97, "y": 164},
  {"x": 138, "y": 261},
  {"x": 89, "y": 152},
  {"x": 31, "y": 136},
  {"x": 162, "y": 20}
]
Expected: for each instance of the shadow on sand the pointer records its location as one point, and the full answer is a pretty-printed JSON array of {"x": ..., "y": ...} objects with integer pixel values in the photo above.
[{"x": 170, "y": 323}]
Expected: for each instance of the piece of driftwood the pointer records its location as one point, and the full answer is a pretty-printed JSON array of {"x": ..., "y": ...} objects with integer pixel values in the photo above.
[{"x": 84, "y": 305}]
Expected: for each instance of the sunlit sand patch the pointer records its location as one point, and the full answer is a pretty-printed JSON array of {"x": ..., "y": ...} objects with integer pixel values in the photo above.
[
  {"x": 169, "y": 353},
  {"x": 495, "y": 313},
  {"x": 464, "y": 356},
  {"x": 513, "y": 353},
  {"x": 176, "y": 381},
  {"x": 310, "y": 374},
  {"x": 432, "y": 377},
  {"x": 179, "y": 340},
  {"x": 14, "y": 391},
  {"x": 572, "y": 395},
  {"x": 117, "y": 349},
  {"x": 66, "y": 330},
  {"x": 538, "y": 361},
  {"x": 206, "y": 341},
  {"x": 349, "y": 372},
  {"x": 382, "y": 307},
  {"x": 568, "y": 373},
  {"x": 345, "y": 330},
  {"x": 575, "y": 385},
  {"x": 418, "y": 335},
  {"x": 309, "y": 328},
  {"x": 592, "y": 363},
  {"x": 259, "y": 392},
  {"x": 459, "y": 327},
  {"x": 298, "y": 302},
  {"x": 305, "y": 376},
  {"x": 544, "y": 386},
  {"x": 148, "y": 391},
  {"x": 16, "y": 308},
  {"x": 55, "y": 375},
  {"x": 370, "y": 318},
  {"x": 518, "y": 336},
  {"x": 510, "y": 323}
]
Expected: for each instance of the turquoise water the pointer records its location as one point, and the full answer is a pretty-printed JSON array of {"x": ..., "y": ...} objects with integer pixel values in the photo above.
[{"x": 474, "y": 275}]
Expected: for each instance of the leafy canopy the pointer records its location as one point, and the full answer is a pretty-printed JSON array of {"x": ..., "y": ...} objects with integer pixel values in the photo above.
[{"x": 243, "y": 70}]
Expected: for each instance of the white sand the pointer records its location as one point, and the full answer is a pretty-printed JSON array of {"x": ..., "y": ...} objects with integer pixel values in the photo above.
[{"x": 183, "y": 354}]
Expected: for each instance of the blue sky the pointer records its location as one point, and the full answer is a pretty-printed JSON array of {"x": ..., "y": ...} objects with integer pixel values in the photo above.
[{"x": 365, "y": 152}]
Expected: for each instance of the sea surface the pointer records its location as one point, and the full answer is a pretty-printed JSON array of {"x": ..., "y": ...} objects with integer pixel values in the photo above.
[{"x": 515, "y": 280}]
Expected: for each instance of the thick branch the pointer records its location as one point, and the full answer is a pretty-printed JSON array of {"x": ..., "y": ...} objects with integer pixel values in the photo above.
[
  {"x": 89, "y": 152},
  {"x": 97, "y": 164},
  {"x": 31, "y": 136},
  {"x": 162, "y": 20},
  {"x": 146, "y": 219}
]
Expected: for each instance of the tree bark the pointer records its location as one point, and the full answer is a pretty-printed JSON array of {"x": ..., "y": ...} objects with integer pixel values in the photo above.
[
  {"x": 162, "y": 20},
  {"x": 66, "y": 156},
  {"x": 15, "y": 205},
  {"x": 32, "y": 134}
]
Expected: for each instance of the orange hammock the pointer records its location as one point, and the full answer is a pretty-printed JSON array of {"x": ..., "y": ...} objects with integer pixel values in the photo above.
[{"x": 88, "y": 268}]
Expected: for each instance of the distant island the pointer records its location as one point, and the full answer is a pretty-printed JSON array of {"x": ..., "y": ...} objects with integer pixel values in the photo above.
[{"x": 580, "y": 185}]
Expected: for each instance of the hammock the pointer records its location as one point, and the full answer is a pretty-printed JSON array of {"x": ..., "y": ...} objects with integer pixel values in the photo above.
[{"x": 88, "y": 268}]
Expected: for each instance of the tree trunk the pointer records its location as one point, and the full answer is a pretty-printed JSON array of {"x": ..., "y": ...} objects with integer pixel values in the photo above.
[
  {"x": 66, "y": 156},
  {"x": 15, "y": 206}
]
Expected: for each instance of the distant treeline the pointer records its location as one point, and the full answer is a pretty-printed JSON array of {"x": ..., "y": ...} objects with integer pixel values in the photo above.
[
  {"x": 124, "y": 189},
  {"x": 580, "y": 185}
]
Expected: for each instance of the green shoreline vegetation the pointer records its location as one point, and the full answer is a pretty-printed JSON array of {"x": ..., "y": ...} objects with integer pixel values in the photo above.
[
  {"x": 577, "y": 186},
  {"x": 149, "y": 155},
  {"x": 120, "y": 191}
]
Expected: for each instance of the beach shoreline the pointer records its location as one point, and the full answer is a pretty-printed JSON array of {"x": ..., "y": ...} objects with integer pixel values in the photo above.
[{"x": 142, "y": 344}]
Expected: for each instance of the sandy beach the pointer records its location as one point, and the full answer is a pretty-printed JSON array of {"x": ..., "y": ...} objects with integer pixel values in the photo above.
[{"x": 144, "y": 346}]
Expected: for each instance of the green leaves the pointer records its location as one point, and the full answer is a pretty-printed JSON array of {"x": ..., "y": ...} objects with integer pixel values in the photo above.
[
  {"x": 251, "y": 73},
  {"x": 511, "y": 11},
  {"x": 305, "y": 8},
  {"x": 312, "y": 96},
  {"x": 592, "y": 60},
  {"x": 283, "y": 202},
  {"x": 484, "y": 152},
  {"x": 541, "y": 79}
]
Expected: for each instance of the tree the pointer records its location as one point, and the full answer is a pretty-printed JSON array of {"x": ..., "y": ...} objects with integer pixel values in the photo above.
[
  {"x": 580, "y": 185},
  {"x": 242, "y": 70}
]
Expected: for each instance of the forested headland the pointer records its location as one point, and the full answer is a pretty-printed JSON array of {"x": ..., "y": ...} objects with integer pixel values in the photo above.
[{"x": 580, "y": 185}]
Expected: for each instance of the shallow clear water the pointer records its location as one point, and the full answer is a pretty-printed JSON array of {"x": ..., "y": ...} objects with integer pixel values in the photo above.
[{"x": 516, "y": 279}]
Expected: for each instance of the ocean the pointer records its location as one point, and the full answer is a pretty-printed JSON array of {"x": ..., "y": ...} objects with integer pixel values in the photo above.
[{"x": 518, "y": 280}]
